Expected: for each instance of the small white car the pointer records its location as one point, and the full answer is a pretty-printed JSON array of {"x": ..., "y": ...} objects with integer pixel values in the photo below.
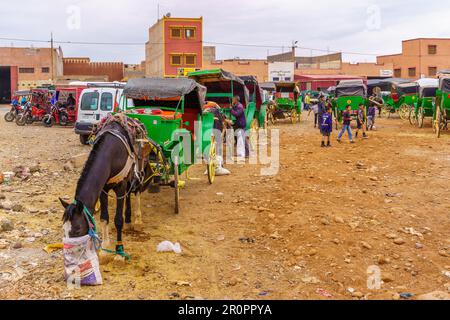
[{"x": 96, "y": 102}]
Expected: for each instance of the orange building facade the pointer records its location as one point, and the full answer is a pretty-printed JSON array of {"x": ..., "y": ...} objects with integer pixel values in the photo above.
[
  {"x": 174, "y": 47},
  {"x": 420, "y": 58}
]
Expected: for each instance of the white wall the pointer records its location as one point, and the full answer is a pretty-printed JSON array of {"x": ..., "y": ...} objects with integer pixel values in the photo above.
[{"x": 284, "y": 71}]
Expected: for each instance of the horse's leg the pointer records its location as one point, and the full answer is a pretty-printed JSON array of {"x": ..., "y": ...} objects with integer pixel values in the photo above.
[
  {"x": 118, "y": 221},
  {"x": 138, "y": 212},
  {"x": 104, "y": 219},
  {"x": 128, "y": 225}
]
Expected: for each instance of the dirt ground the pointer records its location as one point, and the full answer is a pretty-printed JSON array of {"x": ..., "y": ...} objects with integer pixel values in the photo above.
[{"x": 311, "y": 232}]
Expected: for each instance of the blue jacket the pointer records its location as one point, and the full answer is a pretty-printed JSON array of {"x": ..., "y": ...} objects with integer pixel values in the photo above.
[{"x": 238, "y": 112}]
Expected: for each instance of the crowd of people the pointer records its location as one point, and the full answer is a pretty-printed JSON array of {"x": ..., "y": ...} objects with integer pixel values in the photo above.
[{"x": 323, "y": 119}]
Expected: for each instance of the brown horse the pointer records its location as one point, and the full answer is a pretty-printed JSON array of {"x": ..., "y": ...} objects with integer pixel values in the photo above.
[{"x": 110, "y": 166}]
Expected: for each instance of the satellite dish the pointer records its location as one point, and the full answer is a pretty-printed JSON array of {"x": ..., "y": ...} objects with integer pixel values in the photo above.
[{"x": 168, "y": 14}]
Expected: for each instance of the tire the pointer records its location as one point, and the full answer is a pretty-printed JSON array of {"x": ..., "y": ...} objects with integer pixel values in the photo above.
[
  {"x": 177, "y": 187},
  {"x": 385, "y": 112},
  {"x": 84, "y": 140},
  {"x": 212, "y": 161},
  {"x": 48, "y": 121},
  {"x": 294, "y": 116},
  {"x": 438, "y": 124},
  {"x": 403, "y": 111},
  {"x": 420, "y": 118},
  {"x": 21, "y": 120},
  {"x": 9, "y": 116},
  {"x": 63, "y": 121},
  {"x": 29, "y": 120}
]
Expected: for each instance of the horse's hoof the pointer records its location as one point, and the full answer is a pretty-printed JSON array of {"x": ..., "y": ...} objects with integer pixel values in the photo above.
[
  {"x": 138, "y": 226},
  {"x": 104, "y": 258},
  {"x": 119, "y": 259},
  {"x": 128, "y": 227}
]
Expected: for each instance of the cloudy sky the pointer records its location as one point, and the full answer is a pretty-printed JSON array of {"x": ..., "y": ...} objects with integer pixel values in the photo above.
[{"x": 366, "y": 27}]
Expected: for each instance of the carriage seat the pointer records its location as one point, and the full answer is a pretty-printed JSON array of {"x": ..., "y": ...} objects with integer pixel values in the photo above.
[{"x": 164, "y": 114}]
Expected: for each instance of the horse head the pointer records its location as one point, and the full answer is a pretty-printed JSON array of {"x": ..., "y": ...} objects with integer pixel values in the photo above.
[{"x": 75, "y": 223}]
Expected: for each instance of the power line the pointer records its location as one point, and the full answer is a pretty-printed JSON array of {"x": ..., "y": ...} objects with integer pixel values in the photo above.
[{"x": 204, "y": 42}]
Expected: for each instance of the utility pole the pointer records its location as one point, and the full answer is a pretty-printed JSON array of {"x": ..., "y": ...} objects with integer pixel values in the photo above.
[{"x": 52, "y": 58}]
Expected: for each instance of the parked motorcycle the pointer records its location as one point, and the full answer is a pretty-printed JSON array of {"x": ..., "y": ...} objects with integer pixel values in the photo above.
[
  {"x": 30, "y": 114},
  {"x": 11, "y": 115},
  {"x": 58, "y": 115}
]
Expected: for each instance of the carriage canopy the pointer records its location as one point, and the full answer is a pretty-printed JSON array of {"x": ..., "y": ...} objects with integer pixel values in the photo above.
[
  {"x": 444, "y": 84},
  {"x": 153, "y": 89},
  {"x": 219, "y": 81},
  {"x": 351, "y": 89},
  {"x": 255, "y": 91},
  {"x": 428, "y": 91},
  {"x": 408, "y": 88}
]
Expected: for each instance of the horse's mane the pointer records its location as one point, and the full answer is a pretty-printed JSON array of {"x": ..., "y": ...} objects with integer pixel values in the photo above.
[{"x": 94, "y": 152}]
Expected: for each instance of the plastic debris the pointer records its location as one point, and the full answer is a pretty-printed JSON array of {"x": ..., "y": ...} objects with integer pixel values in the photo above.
[
  {"x": 406, "y": 295},
  {"x": 167, "y": 246},
  {"x": 53, "y": 247},
  {"x": 324, "y": 293}
]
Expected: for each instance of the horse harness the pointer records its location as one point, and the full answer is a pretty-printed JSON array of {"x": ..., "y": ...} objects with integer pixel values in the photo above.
[{"x": 138, "y": 149}]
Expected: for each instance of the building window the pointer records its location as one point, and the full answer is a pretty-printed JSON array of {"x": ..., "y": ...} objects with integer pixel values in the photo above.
[
  {"x": 45, "y": 70},
  {"x": 189, "y": 33},
  {"x": 432, "y": 71},
  {"x": 26, "y": 70},
  {"x": 411, "y": 72},
  {"x": 432, "y": 49},
  {"x": 190, "y": 59},
  {"x": 398, "y": 73},
  {"x": 175, "y": 33},
  {"x": 175, "y": 59}
]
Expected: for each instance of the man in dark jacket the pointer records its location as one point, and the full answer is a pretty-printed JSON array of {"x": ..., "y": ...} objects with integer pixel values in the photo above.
[
  {"x": 321, "y": 110},
  {"x": 240, "y": 126}
]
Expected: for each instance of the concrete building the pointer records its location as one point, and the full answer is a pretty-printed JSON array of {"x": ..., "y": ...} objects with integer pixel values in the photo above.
[
  {"x": 423, "y": 57},
  {"x": 175, "y": 47},
  {"x": 25, "y": 68},
  {"x": 241, "y": 67},
  {"x": 78, "y": 68}
]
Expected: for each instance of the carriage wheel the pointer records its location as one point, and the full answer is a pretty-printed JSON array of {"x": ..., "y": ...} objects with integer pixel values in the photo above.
[
  {"x": 438, "y": 123},
  {"x": 385, "y": 112},
  {"x": 420, "y": 118},
  {"x": 294, "y": 116},
  {"x": 254, "y": 129},
  {"x": 176, "y": 186},
  {"x": 270, "y": 118},
  {"x": 403, "y": 111},
  {"x": 212, "y": 161},
  {"x": 412, "y": 117}
]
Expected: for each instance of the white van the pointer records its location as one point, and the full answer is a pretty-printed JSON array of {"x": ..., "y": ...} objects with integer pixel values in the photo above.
[{"x": 96, "y": 102}]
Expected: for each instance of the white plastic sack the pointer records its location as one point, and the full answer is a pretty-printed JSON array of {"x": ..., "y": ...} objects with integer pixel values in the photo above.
[
  {"x": 81, "y": 262},
  {"x": 167, "y": 246}
]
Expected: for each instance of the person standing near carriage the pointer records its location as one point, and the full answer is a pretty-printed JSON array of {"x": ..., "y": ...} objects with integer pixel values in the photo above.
[
  {"x": 220, "y": 123},
  {"x": 240, "y": 126},
  {"x": 321, "y": 110},
  {"x": 371, "y": 115},
  {"x": 347, "y": 120},
  {"x": 307, "y": 106},
  {"x": 361, "y": 121}
]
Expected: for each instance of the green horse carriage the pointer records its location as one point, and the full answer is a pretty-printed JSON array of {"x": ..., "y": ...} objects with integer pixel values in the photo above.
[
  {"x": 442, "y": 110},
  {"x": 172, "y": 112},
  {"x": 425, "y": 106},
  {"x": 256, "y": 97},
  {"x": 401, "y": 98},
  {"x": 222, "y": 86},
  {"x": 349, "y": 93},
  {"x": 288, "y": 102}
]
